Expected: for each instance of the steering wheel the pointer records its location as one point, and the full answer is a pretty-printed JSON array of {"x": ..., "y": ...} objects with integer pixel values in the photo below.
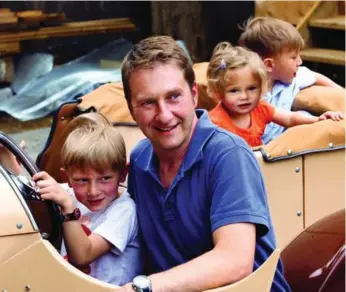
[{"x": 46, "y": 213}]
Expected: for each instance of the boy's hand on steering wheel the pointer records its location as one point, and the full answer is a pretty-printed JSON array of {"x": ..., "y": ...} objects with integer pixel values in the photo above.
[{"x": 49, "y": 189}]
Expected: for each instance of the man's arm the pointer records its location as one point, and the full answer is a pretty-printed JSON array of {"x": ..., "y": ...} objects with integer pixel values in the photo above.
[
  {"x": 325, "y": 81},
  {"x": 81, "y": 248},
  {"x": 231, "y": 260}
]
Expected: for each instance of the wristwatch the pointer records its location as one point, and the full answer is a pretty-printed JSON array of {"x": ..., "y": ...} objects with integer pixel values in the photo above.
[
  {"x": 75, "y": 215},
  {"x": 141, "y": 284}
]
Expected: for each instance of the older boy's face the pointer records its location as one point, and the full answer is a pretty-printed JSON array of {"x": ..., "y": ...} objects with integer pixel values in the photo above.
[
  {"x": 96, "y": 190},
  {"x": 285, "y": 65}
]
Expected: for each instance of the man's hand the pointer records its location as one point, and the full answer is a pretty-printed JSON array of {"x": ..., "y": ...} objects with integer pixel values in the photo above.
[
  {"x": 335, "y": 116},
  {"x": 126, "y": 288},
  {"x": 49, "y": 189}
]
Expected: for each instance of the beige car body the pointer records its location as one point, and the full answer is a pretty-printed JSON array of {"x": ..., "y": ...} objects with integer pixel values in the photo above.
[{"x": 304, "y": 181}]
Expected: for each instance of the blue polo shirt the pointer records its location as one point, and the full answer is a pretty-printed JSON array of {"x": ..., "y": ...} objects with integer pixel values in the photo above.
[
  {"x": 218, "y": 183},
  {"x": 282, "y": 96}
]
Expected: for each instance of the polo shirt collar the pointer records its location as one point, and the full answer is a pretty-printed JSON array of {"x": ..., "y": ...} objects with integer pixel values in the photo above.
[{"x": 204, "y": 129}]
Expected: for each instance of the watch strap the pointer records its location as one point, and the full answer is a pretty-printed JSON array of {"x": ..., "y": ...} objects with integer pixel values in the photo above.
[{"x": 75, "y": 215}]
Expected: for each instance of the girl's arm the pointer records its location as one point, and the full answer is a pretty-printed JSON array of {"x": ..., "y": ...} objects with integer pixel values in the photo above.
[
  {"x": 289, "y": 119},
  {"x": 81, "y": 248}
]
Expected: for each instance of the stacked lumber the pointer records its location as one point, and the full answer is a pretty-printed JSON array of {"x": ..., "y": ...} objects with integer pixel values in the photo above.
[
  {"x": 28, "y": 20},
  {"x": 10, "y": 40}
]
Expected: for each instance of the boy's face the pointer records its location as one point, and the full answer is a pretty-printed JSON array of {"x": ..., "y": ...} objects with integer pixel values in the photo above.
[
  {"x": 285, "y": 65},
  {"x": 96, "y": 190},
  {"x": 243, "y": 91}
]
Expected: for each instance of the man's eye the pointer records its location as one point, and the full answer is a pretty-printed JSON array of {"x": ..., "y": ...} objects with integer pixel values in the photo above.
[
  {"x": 175, "y": 96},
  {"x": 147, "y": 103}
]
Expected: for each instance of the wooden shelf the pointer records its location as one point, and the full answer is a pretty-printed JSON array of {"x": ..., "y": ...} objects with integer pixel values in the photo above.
[
  {"x": 336, "y": 57},
  {"x": 71, "y": 29},
  {"x": 334, "y": 22}
]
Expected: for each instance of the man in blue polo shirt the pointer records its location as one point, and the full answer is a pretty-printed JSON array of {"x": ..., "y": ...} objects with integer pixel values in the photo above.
[{"x": 200, "y": 195}]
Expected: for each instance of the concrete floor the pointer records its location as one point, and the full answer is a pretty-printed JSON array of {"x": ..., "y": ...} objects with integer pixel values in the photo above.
[{"x": 34, "y": 133}]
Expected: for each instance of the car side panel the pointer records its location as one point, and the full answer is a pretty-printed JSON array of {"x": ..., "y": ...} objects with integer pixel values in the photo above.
[
  {"x": 284, "y": 184},
  {"x": 324, "y": 184}
]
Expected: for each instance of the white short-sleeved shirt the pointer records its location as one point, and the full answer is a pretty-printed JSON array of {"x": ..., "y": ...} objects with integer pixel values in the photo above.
[
  {"x": 118, "y": 225},
  {"x": 282, "y": 97}
]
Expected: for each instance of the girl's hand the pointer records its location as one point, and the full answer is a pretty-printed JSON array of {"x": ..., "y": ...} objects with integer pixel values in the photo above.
[
  {"x": 49, "y": 189},
  {"x": 335, "y": 116}
]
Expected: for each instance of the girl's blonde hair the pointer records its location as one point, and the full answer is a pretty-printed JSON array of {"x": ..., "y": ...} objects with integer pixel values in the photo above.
[
  {"x": 227, "y": 57},
  {"x": 94, "y": 145}
]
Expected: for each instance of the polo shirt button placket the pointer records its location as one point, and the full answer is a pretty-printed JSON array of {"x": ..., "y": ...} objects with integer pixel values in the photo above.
[{"x": 168, "y": 208}]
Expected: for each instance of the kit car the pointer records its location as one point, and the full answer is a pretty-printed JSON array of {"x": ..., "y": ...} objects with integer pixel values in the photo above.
[{"x": 304, "y": 173}]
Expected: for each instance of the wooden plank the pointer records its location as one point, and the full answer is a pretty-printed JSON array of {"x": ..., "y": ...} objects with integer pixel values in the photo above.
[
  {"x": 72, "y": 29},
  {"x": 335, "y": 22},
  {"x": 9, "y": 48},
  {"x": 336, "y": 57}
]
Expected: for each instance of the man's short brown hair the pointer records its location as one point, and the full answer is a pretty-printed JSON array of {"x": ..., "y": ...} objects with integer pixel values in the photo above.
[
  {"x": 95, "y": 146},
  {"x": 151, "y": 51},
  {"x": 268, "y": 36}
]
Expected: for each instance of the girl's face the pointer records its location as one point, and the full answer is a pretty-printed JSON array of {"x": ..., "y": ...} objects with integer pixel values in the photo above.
[{"x": 243, "y": 91}]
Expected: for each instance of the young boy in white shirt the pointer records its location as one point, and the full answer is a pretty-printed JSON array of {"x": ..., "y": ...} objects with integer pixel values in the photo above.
[{"x": 100, "y": 224}]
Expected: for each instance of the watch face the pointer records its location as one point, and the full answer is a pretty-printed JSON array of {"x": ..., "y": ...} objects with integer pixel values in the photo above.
[
  {"x": 77, "y": 213},
  {"x": 142, "y": 282}
]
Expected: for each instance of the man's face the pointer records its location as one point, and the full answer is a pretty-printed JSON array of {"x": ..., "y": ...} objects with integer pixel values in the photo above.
[
  {"x": 285, "y": 65},
  {"x": 163, "y": 106}
]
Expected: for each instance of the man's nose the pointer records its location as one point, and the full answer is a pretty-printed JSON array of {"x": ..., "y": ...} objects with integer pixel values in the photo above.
[{"x": 164, "y": 113}]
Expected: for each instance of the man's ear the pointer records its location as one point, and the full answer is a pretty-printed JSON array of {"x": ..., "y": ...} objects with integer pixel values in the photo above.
[
  {"x": 194, "y": 92},
  {"x": 269, "y": 63},
  {"x": 64, "y": 176},
  {"x": 123, "y": 174}
]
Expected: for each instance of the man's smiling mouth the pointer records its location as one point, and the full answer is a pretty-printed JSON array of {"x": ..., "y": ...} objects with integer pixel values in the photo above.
[{"x": 166, "y": 129}]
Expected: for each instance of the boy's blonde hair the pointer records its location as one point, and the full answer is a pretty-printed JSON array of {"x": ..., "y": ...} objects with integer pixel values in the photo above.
[
  {"x": 95, "y": 146},
  {"x": 92, "y": 118},
  {"x": 226, "y": 58},
  {"x": 268, "y": 36}
]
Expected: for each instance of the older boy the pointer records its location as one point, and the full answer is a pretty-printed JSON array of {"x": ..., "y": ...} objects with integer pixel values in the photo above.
[
  {"x": 279, "y": 43},
  {"x": 94, "y": 158}
]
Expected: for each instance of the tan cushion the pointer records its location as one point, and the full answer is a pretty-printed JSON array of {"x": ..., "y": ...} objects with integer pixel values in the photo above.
[
  {"x": 110, "y": 101},
  {"x": 204, "y": 100},
  {"x": 320, "y": 135},
  {"x": 318, "y": 99}
]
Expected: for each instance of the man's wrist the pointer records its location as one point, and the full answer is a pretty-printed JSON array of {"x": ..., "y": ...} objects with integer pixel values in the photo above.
[{"x": 142, "y": 284}]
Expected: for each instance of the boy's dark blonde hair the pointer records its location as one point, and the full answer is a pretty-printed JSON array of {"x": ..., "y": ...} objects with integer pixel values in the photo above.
[
  {"x": 268, "y": 36},
  {"x": 86, "y": 119},
  {"x": 152, "y": 51},
  {"x": 227, "y": 58},
  {"x": 95, "y": 146}
]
